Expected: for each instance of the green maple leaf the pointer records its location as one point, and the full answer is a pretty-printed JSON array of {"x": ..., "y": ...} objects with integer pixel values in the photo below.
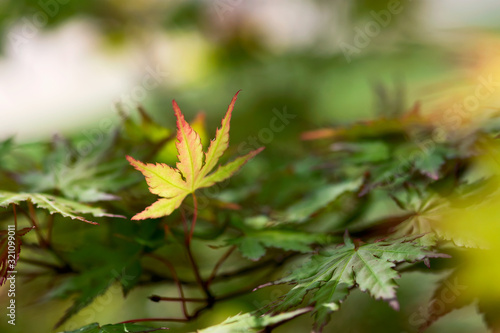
[
  {"x": 255, "y": 242},
  {"x": 115, "y": 328},
  {"x": 54, "y": 204},
  {"x": 330, "y": 275},
  {"x": 193, "y": 169},
  {"x": 250, "y": 322}
]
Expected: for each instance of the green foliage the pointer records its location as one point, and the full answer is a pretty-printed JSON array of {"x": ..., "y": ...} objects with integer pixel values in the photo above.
[
  {"x": 118, "y": 328},
  {"x": 331, "y": 274},
  {"x": 54, "y": 204},
  {"x": 254, "y": 243},
  {"x": 351, "y": 208},
  {"x": 251, "y": 322}
]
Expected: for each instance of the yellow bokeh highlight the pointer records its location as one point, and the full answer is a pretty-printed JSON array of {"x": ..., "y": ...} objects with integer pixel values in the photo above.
[{"x": 473, "y": 221}]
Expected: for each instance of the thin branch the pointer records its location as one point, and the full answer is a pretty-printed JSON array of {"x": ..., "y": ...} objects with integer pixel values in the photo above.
[
  {"x": 197, "y": 275},
  {"x": 200, "y": 310},
  {"x": 185, "y": 226},
  {"x": 187, "y": 243},
  {"x": 50, "y": 226},
  {"x": 249, "y": 269},
  {"x": 15, "y": 215},
  {"x": 176, "y": 279},
  {"x": 156, "y": 278},
  {"x": 32, "y": 218},
  {"x": 219, "y": 264},
  {"x": 156, "y": 298},
  {"x": 195, "y": 215},
  {"x": 40, "y": 263}
]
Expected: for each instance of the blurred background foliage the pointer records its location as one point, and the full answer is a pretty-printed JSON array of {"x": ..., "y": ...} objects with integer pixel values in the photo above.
[{"x": 68, "y": 66}]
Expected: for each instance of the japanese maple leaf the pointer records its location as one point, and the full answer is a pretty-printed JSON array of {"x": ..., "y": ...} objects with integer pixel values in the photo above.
[
  {"x": 330, "y": 275},
  {"x": 193, "y": 169}
]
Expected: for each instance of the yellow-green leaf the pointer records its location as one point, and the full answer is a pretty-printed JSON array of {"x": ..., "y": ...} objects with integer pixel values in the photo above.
[{"x": 193, "y": 168}]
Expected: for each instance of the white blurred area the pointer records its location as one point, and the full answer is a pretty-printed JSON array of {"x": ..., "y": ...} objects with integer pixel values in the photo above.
[
  {"x": 66, "y": 77},
  {"x": 59, "y": 79}
]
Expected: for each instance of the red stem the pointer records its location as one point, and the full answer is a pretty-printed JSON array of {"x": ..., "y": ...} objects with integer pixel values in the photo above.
[
  {"x": 195, "y": 215},
  {"x": 33, "y": 219},
  {"x": 50, "y": 225},
  {"x": 177, "y": 299},
  {"x": 15, "y": 215},
  {"x": 176, "y": 279},
  {"x": 218, "y": 264}
]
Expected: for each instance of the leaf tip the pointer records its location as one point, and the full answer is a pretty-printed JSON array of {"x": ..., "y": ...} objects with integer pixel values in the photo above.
[{"x": 131, "y": 160}]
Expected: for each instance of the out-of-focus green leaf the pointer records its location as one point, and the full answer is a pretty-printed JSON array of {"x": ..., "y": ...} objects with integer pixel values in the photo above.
[
  {"x": 115, "y": 328},
  {"x": 85, "y": 176},
  {"x": 300, "y": 211},
  {"x": 53, "y": 204},
  {"x": 362, "y": 152},
  {"x": 251, "y": 322},
  {"x": 254, "y": 243},
  {"x": 100, "y": 267}
]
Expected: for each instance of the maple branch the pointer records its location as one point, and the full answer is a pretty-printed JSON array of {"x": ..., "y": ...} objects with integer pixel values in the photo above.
[
  {"x": 197, "y": 275},
  {"x": 249, "y": 269},
  {"x": 227, "y": 275},
  {"x": 50, "y": 225},
  {"x": 195, "y": 215},
  {"x": 40, "y": 263},
  {"x": 219, "y": 263},
  {"x": 194, "y": 265},
  {"x": 200, "y": 310},
  {"x": 32, "y": 218},
  {"x": 15, "y": 215},
  {"x": 156, "y": 298},
  {"x": 176, "y": 279}
]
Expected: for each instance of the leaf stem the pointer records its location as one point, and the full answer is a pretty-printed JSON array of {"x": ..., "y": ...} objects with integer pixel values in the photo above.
[
  {"x": 199, "y": 279},
  {"x": 15, "y": 215},
  {"x": 50, "y": 226},
  {"x": 34, "y": 222},
  {"x": 195, "y": 215}
]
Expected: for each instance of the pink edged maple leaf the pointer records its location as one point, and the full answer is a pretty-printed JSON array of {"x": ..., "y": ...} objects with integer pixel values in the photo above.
[{"x": 194, "y": 169}]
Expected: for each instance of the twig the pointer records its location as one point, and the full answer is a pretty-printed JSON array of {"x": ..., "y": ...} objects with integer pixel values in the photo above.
[
  {"x": 187, "y": 243},
  {"x": 156, "y": 298},
  {"x": 32, "y": 218},
  {"x": 15, "y": 215},
  {"x": 40, "y": 263},
  {"x": 176, "y": 279},
  {"x": 218, "y": 264},
  {"x": 50, "y": 226},
  {"x": 197, "y": 275},
  {"x": 195, "y": 215}
]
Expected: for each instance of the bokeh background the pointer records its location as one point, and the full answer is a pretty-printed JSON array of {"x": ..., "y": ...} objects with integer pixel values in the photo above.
[{"x": 66, "y": 66}]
